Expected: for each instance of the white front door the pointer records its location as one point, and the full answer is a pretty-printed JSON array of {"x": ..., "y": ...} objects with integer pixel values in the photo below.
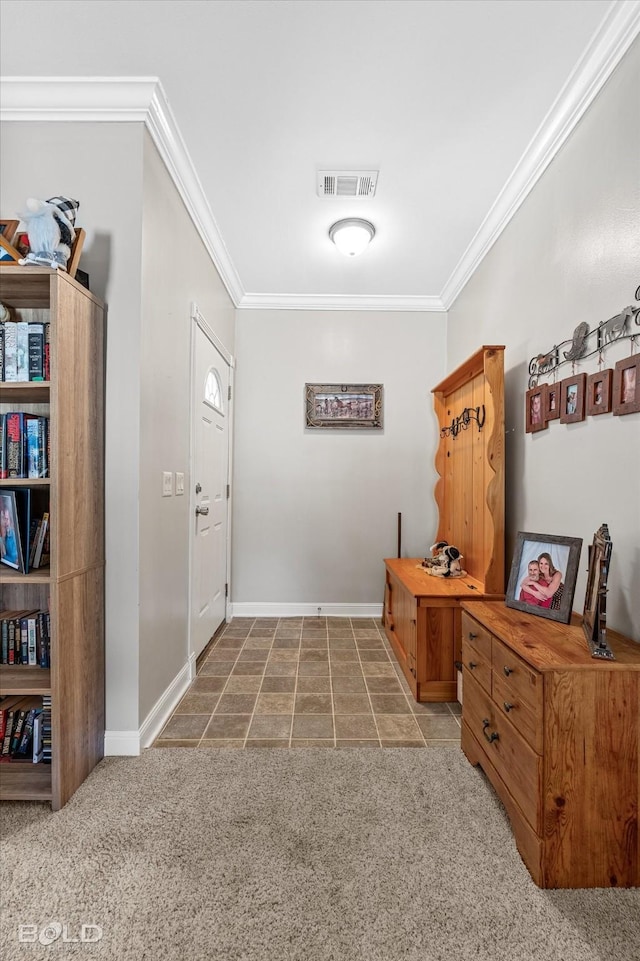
[{"x": 209, "y": 496}]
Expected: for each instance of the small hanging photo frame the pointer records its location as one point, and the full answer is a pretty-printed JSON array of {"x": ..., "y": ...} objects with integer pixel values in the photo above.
[
  {"x": 552, "y": 401},
  {"x": 626, "y": 386},
  {"x": 599, "y": 392},
  {"x": 535, "y": 419},
  {"x": 572, "y": 391}
]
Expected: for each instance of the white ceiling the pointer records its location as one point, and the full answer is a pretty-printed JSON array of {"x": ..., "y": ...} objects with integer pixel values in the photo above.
[{"x": 458, "y": 103}]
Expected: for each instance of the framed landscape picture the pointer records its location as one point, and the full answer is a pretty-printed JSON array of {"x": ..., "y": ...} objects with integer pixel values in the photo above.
[
  {"x": 344, "y": 406},
  {"x": 543, "y": 575}
]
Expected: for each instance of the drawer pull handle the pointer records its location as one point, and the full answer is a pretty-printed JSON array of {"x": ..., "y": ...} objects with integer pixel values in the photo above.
[
  {"x": 494, "y": 736},
  {"x": 472, "y": 664},
  {"x": 507, "y": 670},
  {"x": 508, "y": 707},
  {"x": 472, "y": 636}
]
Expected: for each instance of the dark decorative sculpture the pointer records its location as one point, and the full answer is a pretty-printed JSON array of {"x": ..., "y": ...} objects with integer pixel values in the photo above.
[
  {"x": 594, "y": 618},
  {"x": 579, "y": 346},
  {"x": 609, "y": 331},
  {"x": 462, "y": 422}
]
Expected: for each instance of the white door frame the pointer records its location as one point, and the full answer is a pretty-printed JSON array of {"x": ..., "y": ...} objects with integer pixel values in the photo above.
[{"x": 198, "y": 320}]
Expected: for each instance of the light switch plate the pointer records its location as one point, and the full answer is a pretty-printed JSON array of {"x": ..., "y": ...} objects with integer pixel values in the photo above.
[
  {"x": 179, "y": 483},
  {"x": 167, "y": 483}
]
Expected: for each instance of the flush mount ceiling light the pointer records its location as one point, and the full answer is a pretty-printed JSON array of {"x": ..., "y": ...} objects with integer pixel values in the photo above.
[{"x": 352, "y": 236}]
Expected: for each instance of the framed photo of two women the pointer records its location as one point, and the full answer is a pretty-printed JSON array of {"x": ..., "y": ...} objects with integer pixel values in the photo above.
[{"x": 571, "y": 400}]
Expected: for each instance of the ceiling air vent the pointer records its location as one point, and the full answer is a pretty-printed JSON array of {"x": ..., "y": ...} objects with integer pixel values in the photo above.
[{"x": 347, "y": 183}]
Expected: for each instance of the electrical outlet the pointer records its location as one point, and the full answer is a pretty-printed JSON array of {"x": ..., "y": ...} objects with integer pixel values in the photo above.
[
  {"x": 167, "y": 483},
  {"x": 179, "y": 483}
]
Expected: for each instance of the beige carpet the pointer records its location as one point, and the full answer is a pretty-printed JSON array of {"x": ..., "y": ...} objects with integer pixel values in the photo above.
[{"x": 305, "y": 855}]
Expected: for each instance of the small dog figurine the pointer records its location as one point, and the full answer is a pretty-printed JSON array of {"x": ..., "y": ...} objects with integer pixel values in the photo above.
[{"x": 445, "y": 561}]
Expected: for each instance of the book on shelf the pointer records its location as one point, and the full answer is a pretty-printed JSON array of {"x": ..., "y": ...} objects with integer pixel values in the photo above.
[
  {"x": 46, "y": 729},
  {"x": 37, "y": 753},
  {"x": 24, "y": 447},
  {"x": 8, "y": 730},
  {"x": 19, "y": 717},
  {"x": 10, "y": 351},
  {"x": 21, "y": 728},
  {"x": 24, "y": 350},
  {"x": 3, "y": 457},
  {"x": 26, "y": 740},
  {"x": 25, "y": 638},
  {"x": 23, "y": 512},
  {"x": 47, "y": 352},
  {"x": 40, "y": 541},
  {"x": 36, "y": 351},
  {"x": 14, "y": 443},
  {"x": 35, "y": 446}
]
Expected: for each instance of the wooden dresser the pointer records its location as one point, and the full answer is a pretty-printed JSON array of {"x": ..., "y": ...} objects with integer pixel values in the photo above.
[
  {"x": 422, "y": 613},
  {"x": 557, "y": 733}
]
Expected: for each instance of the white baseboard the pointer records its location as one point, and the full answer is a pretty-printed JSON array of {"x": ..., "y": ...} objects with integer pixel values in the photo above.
[
  {"x": 131, "y": 743},
  {"x": 121, "y": 743},
  {"x": 264, "y": 609}
]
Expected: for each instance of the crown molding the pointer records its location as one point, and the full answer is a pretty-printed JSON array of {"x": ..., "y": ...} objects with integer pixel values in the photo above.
[
  {"x": 608, "y": 46},
  {"x": 399, "y": 302},
  {"x": 142, "y": 100},
  {"x": 128, "y": 100},
  {"x": 113, "y": 99}
]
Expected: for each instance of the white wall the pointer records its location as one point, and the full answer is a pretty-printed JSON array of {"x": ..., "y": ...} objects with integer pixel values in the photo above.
[
  {"x": 315, "y": 512},
  {"x": 571, "y": 254},
  {"x": 100, "y": 164},
  {"x": 176, "y": 271}
]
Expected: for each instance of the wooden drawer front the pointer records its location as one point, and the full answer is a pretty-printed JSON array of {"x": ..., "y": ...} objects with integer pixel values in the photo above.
[
  {"x": 524, "y": 718},
  {"x": 476, "y": 664},
  {"x": 476, "y": 635},
  {"x": 523, "y": 684},
  {"x": 517, "y": 764}
]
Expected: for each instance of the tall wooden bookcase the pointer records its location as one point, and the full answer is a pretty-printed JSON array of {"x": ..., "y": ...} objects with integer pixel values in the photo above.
[
  {"x": 72, "y": 588},
  {"x": 422, "y": 614}
]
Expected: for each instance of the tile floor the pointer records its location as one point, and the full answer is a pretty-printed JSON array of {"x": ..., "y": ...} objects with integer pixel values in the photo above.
[{"x": 305, "y": 682}]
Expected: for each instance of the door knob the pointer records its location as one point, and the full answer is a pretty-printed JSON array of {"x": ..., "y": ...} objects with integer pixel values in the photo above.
[{"x": 202, "y": 510}]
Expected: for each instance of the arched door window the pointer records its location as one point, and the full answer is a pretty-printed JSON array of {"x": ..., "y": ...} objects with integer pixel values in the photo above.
[{"x": 213, "y": 390}]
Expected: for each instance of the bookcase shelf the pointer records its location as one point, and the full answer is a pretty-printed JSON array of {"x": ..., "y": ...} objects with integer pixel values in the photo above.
[
  {"x": 41, "y": 575},
  {"x": 72, "y": 587},
  {"x": 31, "y": 392},
  {"x": 22, "y": 781},
  {"x": 20, "y": 679},
  {"x": 24, "y": 482}
]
